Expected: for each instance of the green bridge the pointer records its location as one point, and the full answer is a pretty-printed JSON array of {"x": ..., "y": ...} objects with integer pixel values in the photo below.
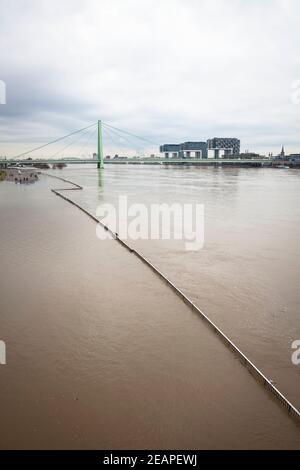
[
  {"x": 25, "y": 159},
  {"x": 141, "y": 161}
]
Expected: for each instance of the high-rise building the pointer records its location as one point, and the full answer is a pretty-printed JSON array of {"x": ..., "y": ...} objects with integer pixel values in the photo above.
[
  {"x": 185, "y": 150},
  {"x": 220, "y": 147}
]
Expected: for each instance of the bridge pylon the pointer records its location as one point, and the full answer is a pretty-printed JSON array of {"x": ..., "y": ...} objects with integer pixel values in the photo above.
[{"x": 100, "y": 163}]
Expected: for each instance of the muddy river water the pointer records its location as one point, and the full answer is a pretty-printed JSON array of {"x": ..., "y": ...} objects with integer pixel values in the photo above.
[{"x": 102, "y": 354}]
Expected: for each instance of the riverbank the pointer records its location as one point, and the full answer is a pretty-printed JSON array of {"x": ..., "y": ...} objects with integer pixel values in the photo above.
[
  {"x": 20, "y": 175},
  {"x": 101, "y": 354}
]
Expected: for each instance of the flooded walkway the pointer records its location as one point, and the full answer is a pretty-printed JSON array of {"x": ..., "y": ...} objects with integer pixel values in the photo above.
[{"x": 102, "y": 354}]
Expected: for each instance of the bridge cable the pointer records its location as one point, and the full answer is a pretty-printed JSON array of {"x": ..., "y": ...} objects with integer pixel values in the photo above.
[
  {"x": 54, "y": 141},
  {"x": 86, "y": 143},
  {"x": 131, "y": 134},
  {"x": 88, "y": 132},
  {"x": 113, "y": 134}
]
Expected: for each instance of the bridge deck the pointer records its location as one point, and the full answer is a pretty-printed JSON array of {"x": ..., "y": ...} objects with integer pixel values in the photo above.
[{"x": 142, "y": 161}]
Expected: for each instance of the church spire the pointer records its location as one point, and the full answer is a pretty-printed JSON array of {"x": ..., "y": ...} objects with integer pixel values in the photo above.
[{"x": 282, "y": 154}]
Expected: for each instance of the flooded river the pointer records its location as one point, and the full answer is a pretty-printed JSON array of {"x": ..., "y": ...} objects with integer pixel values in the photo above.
[
  {"x": 101, "y": 354},
  {"x": 246, "y": 277}
]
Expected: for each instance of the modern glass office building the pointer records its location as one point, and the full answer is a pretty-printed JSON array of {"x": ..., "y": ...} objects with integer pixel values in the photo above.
[
  {"x": 220, "y": 147},
  {"x": 185, "y": 150}
]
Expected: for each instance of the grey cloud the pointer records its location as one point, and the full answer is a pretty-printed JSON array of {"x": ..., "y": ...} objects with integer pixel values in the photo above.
[{"x": 169, "y": 70}]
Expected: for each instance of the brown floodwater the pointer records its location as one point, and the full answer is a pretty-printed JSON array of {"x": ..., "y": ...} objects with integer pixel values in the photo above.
[
  {"x": 246, "y": 277},
  {"x": 102, "y": 354}
]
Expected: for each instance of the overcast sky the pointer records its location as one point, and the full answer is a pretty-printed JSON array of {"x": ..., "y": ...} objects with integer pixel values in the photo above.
[{"x": 168, "y": 70}]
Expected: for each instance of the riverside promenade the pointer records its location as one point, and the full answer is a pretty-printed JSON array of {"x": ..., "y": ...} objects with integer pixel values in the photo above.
[{"x": 102, "y": 354}]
